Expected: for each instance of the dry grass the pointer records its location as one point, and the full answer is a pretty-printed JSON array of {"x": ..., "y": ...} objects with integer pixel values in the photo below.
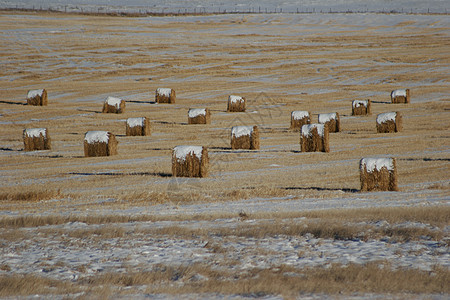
[
  {"x": 22, "y": 285},
  {"x": 30, "y": 194}
]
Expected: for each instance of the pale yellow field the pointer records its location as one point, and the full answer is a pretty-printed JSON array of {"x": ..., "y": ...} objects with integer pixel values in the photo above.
[{"x": 279, "y": 63}]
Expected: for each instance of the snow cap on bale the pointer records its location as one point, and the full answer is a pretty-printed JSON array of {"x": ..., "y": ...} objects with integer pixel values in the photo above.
[
  {"x": 400, "y": 96},
  {"x": 138, "y": 127},
  {"x": 331, "y": 120},
  {"x": 389, "y": 122},
  {"x": 245, "y": 137},
  {"x": 361, "y": 107},
  {"x": 299, "y": 118},
  {"x": 113, "y": 105},
  {"x": 236, "y": 103},
  {"x": 378, "y": 174},
  {"x": 36, "y": 139},
  {"x": 190, "y": 161},
  {"x": 314, "y": 137},
  {"x": 37, "y": 97},
  {"x": 199, "y": 116},
  {"x": 165, "y": 95},
  {"x": 99, "y": 143}
]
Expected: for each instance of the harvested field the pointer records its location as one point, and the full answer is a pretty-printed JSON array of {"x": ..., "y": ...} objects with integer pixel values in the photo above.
[{"x": 263, "y": 221}]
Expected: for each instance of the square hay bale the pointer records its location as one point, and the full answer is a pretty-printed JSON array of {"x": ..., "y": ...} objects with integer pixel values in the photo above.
[
  {"x": 389, "y": 122},
  {"x": 190, "y": 161},
  {"x": 314, "y": 137},
  {"x": 37, "y": 97},
  {"x": 245, "y": 137},
  {"x": 236, "y": 104},
  {"x": 378, "y": 174},
  {"x": 113, "y": 105},
  {"x": 400, "y": 96},
  {"x": 138, "y": 127},
  {"x": 331, "y": 121},
  {"x": 361, "y": 107},
  {"x": 99, "y": 143},
  {"x": 299, "y": 118},
  {"x": 199, "y": 116},
  {"x": 165, "y": 95},
  {"x": 36, "y": 139}
]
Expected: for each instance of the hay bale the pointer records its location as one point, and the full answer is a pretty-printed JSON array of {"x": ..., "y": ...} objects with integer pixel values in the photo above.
[
  {"x": 37, "y": 97},
  {"x": 113, "y": 105},
  {"x": 190, "y": 161},
  {"x": 245, "y": 137},
  {"x": 378, "y": 174},
  {"x": 361, "y": 107},
  {"x": 314, "y": 137},
  {"x": 331, "y": 121},
  {"x": 199, "y": 116},
  {"x": 99, "y": 143},
  {"x": 236, "y": 104},
  {"x": 36, "y": 139},
  {"x": 400, "y": 96},
  {"x": 389, "y": 122},
  {"x": 165, "y": 95},
  {"x": 299, "y": 118},
  {"x": 138, "y": 127}
]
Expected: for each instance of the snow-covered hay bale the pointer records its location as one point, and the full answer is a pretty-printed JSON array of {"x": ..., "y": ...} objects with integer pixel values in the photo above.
[
  {"x": 190, "y": 161},
  {"x": 245, "y": 137},
  {"x": 400, "y": 96},
  {"x": 389, "y": 122},
  {"x": 300, "y": 118},
  {"x": 199, "y": 116},
  {"x": 314, "y": 137},
  {"x": 113, "y": 105},
  {"x": 99, "y": 143},
  {"x": 138, "y": 127},
  {"x": 331, "y": 121},
  {"x": 236, "y": 104},
  {"x": 378, "y": 174},
  {"x": 36, "y": 139},
  {"x": 165, "y": 95},
  {"x": 361, "y": 107},
  {"x": 37, "y": 97}
]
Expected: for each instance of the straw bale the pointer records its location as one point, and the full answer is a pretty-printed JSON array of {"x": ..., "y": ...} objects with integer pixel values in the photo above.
[
  {"x": 331, "y": 121},
  {"x": 400, "y": 96},
  {"x": 99, "y": 143},
  {"x": 236, "y": 104},
  {"x": 245, "y": 137},
  {"x": 36, "y": 139},
  {"x": 114, "y": 105},
  {"x": 378, "y": 174},
  {"x": 314, "y": 137},
  {"x": 37, "y": 97},
  {"x": 389, "y": 122},
  {"x": 361, "y": 107},
  {"x": 138, "y": 127},
  {"x": 165, "y": 95},
  {"x": 190, "y": 161},
  {"x": 199, "y": 116},
  {"x": 299, "y": 118}
]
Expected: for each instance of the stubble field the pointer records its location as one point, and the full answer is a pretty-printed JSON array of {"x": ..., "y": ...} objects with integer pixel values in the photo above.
[{"x": 268, "y": 223}]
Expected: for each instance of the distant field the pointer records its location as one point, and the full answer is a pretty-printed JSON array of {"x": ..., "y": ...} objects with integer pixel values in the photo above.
[{"x": 89, "y": 226}]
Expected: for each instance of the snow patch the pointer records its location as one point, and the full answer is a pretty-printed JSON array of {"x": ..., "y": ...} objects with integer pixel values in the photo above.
[
  {"x": 298, "y": 114},
  {"x": 35, "y": 132},
  {"x": 358, "y": 103},
  {"x": 135, "y": 122},
  {"x": 195, "y": 112},
  {"x": 384, "y": 117},
  {"x": 377, "y": 163},
  {"x": 34, "y": 93},
  {"x": 323, "y": 118},
  {"x": 164, "y": 92},
  {"x": 181, "y": 152},
  {"x": 397, "y": 93},
  {"x": 234, "y": 99},
  {"x": 307, "y": 129},
  {"x": 113, "y": 101},
  {"x": 238, "y": 131},
  {"x": 96, "y": 136}
]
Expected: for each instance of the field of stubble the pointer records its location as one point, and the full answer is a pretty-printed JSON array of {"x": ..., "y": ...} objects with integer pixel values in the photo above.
[{"x": 274, "y": 222}]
